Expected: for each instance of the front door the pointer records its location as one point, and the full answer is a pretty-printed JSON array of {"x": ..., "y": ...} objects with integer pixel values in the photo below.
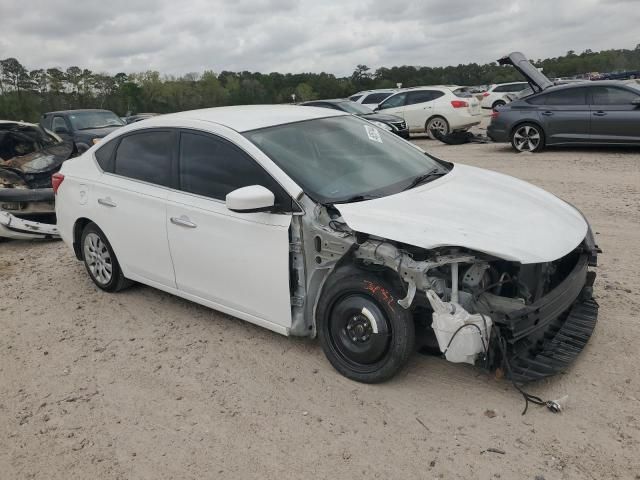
[
  {"x": 238, "y": 262},
  {"x": 614, "y": 118},
  {"x": 394, "y": 105}
]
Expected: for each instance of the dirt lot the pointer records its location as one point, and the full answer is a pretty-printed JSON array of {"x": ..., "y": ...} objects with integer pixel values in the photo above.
[{"x": 145, "y": 385}]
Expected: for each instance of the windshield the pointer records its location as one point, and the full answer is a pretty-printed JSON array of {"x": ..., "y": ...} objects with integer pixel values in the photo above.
[
  {"x": 337, "y": 159},
  {"x": 356, "y": 108},
  {"x": 87, "y": 120}
]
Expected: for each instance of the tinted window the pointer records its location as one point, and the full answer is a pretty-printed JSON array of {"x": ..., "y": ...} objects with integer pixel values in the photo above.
[
  {"x": 376, "y": 97},
  {"x": 354, "y": 98},
  {"x": 104, "y": 155},
  {"x": 146, "y": 156},
  {"x": 571, "y": 96},
  {"x": 422, "y": 96},
  {"x": 213, "y": 167},
  {"x": 611, "y": 96},
  {"x": 395, "y": 101},
  {"x": 511, "y": 88}
]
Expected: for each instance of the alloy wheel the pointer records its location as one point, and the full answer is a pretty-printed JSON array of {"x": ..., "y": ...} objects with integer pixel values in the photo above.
[
  {"x": 98, "y": 259},
  {"x": 527, "y": 139}
]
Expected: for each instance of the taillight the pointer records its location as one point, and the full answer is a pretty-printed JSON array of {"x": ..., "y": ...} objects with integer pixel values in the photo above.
[
  {"x": 494, "y": 114},
  {"x": 485, "y": 94},
  {"x": 56, "y": 181},
  {"x": 459, "y": 104}
]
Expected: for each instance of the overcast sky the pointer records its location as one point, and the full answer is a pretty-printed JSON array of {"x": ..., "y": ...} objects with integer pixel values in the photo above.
[{"x": 180, "y": 36}]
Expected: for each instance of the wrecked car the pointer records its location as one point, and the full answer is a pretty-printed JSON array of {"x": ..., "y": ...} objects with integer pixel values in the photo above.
[
  {"x": 29, "y": 155},
  {"x": 312, "y": 222}
]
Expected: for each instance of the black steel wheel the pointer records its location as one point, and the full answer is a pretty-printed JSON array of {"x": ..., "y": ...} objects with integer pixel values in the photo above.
[{"x": 364, "y": 333}]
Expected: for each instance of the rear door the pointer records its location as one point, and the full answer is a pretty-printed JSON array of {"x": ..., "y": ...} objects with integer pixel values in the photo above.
[
  {"x": 130, "y": 202},
  {"x": 237, "y": 262},
  {"x": 565, "y": 115},
  {"x": 420, "y": 105},
  {"x": 614, "y": 118}
]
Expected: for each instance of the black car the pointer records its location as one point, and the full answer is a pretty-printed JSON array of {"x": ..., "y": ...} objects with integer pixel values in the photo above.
[
  {"x": 590, "y": 113},
  {"x": 389, "y": 122},
  {"x": 83, "y": 127}
]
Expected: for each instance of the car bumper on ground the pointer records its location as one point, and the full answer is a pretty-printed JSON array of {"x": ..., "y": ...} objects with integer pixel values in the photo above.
[
  {"x": 545, "y": 337},
  {"x": 18, "y": 203},
  {"x": 21, "y": 229}
]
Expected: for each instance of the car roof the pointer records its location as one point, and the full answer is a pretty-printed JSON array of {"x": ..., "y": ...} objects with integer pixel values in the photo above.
[
  {"x": 586, "y": 83},
  {"x": 62, "y": 112},
  {"x": 329, "y": 100},
  {"x": 243, "y": 118}
]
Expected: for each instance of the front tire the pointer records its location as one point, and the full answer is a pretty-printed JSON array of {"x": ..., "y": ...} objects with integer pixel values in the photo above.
[
  {"x": 527, "y": 137},
  {"x": 437, "y": 123},
  {"x": 498, "y": 103},
  {"x": 363, "y": 331},
  {"x": 100, "y": 260}
]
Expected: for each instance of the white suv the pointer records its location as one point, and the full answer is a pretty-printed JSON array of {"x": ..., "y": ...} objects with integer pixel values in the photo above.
[
  {"x": 434, "y": 108},
  {"x": 371, "y": 98},
  {"x": 498, "y": 94}
]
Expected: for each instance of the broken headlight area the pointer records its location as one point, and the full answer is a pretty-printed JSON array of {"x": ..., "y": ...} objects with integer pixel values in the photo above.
[{"x": 529, "y": 321}]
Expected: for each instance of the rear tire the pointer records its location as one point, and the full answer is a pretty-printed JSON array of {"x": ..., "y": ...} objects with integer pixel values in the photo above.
[
  {"x": 100, "y": 260},
  {"x": 498, "y": 103},
  {"x": 437, "y": 123},
  {"x": 363, "y": 331},
  {"x": 527, "y": 137}
]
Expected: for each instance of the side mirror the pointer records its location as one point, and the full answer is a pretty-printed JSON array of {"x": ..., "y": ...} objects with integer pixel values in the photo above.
[{"x": 251, "y": 199}]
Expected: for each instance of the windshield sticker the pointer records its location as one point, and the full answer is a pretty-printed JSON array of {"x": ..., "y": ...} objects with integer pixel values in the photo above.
[{"x": 373, "y": 134}]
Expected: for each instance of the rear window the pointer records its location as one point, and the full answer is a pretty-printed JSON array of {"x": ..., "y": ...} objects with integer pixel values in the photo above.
[
  {"x": 104, "y": 155},
  {"x": 376, "y": 97},
  {"x": 422, "y": 96},
  {"x": 146, "y": 156}
]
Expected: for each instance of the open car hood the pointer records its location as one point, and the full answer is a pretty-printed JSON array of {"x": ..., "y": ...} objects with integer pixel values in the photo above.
[
  {"x": 535, "y": 77},
  {"x": 477, "y": 209}
]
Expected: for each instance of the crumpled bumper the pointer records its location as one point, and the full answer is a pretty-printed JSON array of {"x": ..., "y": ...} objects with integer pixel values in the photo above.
[
  {"x": 545, "y": 337},
  {"x": 18, "y": 228}
]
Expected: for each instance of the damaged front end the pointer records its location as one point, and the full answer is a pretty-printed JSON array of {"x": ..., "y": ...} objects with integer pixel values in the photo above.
[
  {"x": 530, "y": 320},
  {"x": 29, "y": 156}
]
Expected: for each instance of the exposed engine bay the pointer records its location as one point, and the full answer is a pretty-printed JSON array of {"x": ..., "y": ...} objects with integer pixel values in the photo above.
[{"x": 527, "y": 304}]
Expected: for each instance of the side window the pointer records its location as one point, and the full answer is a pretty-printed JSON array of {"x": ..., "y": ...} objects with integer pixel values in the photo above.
[
  {"x": 355, "y": 98},
  {"x": 500, "y": 88},
  {"x": 395, "y": 101},
  {"x": 146, "y": 156},
  {"x": 104, "y": 155},
  {"x": 611, "y": 96},
  {"x": 376, "y": 97},
  {"x": 422, "y": 96},
  {"x": 518, "y": 87},
  {"x": 59, "y": 124},
  {"x": 213, "y": 167},
  {"x": 571, "y": 96}
]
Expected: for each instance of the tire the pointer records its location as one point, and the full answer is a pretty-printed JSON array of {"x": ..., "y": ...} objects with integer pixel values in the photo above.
[
  {"x": 498, "y": 103},
  {"x": 100, "y": 260},
  {"x": 439, "y": 123},
  {"x": 527, "y": 137},
  {"x": 363, "y": 331}
]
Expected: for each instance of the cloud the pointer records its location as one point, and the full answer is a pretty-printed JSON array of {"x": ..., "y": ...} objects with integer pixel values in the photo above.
[{"x": 304, "y": 35}]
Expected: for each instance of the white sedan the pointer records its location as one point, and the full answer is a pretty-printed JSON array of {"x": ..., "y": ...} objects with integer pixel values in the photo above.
[{"x": 309, "y": 221}]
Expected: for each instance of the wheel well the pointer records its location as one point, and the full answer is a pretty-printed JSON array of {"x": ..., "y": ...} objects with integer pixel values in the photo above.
[{"x": 78, "y": 227}]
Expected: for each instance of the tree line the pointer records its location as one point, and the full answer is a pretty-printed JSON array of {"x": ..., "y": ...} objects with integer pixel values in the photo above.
[{"x": 25, "y": 94}]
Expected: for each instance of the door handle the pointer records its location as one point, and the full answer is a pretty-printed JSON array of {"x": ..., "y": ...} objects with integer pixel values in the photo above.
[
  {"x": 600, "y": 113},
  {"x": 107, "y": 202},
  {"x": 183, "y": 221},
  {"x": 547, "y": 114}
]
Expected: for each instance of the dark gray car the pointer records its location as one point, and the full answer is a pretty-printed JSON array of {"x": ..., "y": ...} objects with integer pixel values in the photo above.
[{"x": 606, "y": 112}]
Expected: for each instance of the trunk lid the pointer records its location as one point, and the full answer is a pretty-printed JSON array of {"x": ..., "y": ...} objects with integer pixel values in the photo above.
[{"x": 535, "y": 77}]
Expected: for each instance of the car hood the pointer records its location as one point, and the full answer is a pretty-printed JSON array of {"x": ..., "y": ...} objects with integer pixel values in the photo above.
[
  {"x": 534, "y": 76},
  {"x": 382, "y": 117},
  {"x": 476, "y": 209}
]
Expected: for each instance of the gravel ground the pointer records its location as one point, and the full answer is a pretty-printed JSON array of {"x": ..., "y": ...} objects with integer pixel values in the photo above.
[{"x": 148, "y": 386}]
